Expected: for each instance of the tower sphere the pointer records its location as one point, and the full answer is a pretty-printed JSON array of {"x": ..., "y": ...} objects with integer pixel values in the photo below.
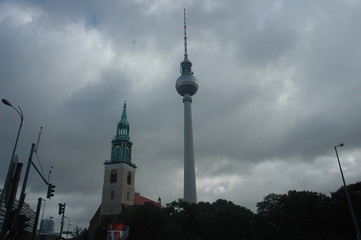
[{"x": 186, "y": 83}]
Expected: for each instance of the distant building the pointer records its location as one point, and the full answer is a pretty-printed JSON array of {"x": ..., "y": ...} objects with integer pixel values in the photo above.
[
  {"x": 2, "y": 212},
  {"x": 47, "y": 226},
  {"x": 119, "y": 179}
]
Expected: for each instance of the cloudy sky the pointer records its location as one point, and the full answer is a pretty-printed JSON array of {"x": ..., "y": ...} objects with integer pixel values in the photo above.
[{"x": 279, "y": 88}]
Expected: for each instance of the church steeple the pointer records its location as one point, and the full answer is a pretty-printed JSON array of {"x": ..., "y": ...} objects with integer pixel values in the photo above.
[
  {"x": 119, "y": 174},
  {"x": 123, "y": 125},
  {"x": 121, "y": 144}
]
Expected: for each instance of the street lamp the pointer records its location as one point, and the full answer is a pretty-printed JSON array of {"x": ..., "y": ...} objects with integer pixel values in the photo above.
[
  {"x": 358, "y": 234},
  {"x": 6, "y": 187}
]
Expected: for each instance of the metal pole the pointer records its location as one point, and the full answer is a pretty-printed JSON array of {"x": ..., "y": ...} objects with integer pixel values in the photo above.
[
  {"x": 62, "y": 222},
  {"x": 22, "y": 195},
  {"x": 6, "y": 188},
  {"x": 49, "y": 174},
  {"x": 42, "y": 216},
  {"x": 33, "y": 236},
  {"x": 358, "y": 234},
  {"x": 67, "y": 233}
]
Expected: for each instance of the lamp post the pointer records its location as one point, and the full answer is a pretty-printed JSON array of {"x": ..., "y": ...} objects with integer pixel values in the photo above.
[
  {"x": 358, "y": 234},
  {"x": 6, "y": 187}
]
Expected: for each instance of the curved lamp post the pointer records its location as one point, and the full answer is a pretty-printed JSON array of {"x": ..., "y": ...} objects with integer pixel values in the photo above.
[
  {"x": 348, "y": 195},
  {"x": 9, "y": 173}
]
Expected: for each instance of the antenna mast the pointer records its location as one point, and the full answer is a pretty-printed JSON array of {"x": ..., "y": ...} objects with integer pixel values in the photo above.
[{"x": 185, "y": 36}]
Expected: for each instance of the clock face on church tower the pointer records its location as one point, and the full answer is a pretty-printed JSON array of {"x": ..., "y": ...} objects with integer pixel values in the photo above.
[{"x": 117, "y": 147}]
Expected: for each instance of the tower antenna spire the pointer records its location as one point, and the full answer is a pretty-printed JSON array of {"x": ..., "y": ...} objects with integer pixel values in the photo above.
[{"x": 185, "y": 36}]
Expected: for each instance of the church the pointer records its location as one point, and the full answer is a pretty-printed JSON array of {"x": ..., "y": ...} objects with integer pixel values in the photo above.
[{"x": 119, "y": 179}]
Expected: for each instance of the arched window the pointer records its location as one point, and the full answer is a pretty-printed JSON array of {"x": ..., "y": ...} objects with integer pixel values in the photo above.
[
  {"x": 113, "y": 176},
  {"x": 129, "y": 178}
]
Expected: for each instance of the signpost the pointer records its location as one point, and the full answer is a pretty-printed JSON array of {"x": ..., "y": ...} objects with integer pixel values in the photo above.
[{"x": 117, "y": 231}]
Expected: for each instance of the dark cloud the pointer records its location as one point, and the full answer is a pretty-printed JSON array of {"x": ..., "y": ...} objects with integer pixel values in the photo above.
[{"x": 278, "y": 89}]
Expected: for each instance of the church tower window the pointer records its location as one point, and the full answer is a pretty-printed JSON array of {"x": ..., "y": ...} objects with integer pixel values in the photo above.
[
  {"x": 129, "y": 178},
  {"x": 112, "y": 195},
  {"x": 113, "y": 176}
]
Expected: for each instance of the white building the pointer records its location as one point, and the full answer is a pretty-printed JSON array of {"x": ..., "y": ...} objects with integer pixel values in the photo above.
[
  {"x": 26, "y": 210},
  {"x": 47, "y": 225}
]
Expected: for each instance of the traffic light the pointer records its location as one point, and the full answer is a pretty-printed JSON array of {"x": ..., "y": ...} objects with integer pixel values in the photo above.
[
  {"x": 51, "y": 190},
  {"x": 61, "y": 208},
  {"x": 23, "y": 223}
]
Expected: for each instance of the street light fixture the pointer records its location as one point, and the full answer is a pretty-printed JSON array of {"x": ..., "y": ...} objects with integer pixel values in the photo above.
[
  {"x": 6, "y": 187},
  {"x": 358, "y": 234}
]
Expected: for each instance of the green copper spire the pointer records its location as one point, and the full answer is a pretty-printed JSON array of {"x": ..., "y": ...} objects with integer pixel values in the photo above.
[
  {"x": 123, "y": 125},
  {"x": 121, "y": 144}
]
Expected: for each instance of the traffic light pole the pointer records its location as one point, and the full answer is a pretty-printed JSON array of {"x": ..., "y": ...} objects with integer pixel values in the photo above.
[
  {"x": 16, "y": 213},
  {"x": 62, "y": 211},
  {"x": 22, "y": 195},
  {"x": 62, "y": 226},
  {"x": 33, "y": 236}
]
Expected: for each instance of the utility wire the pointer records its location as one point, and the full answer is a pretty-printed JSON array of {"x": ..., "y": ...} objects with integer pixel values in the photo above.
[
  {"x": 41, "y": 167},
  {"x": 46, "y": 182},
  {"x": 42, "y": 175}
]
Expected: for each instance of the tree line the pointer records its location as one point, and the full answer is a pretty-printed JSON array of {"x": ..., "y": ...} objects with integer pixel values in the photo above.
[{"x": 295, "y": 215}]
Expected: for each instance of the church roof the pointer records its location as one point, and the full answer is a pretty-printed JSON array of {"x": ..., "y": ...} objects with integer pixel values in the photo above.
[{"x": 140, "y": 200}]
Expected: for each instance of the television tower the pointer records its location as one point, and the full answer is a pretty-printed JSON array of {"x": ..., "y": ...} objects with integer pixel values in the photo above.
[{"x": 187, "y": 85}]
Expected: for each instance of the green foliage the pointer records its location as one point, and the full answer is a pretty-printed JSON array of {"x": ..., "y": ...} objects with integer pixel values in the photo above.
[
  {"x": 150, "y": 222},
  {"x": 295, "y": 215},
  {"x": 181, "y": 220},
  {"x": 342, "y": 209}
]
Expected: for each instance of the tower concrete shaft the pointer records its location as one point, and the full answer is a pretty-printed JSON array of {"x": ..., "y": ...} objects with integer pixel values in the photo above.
[{"x": 190, "y": 193}]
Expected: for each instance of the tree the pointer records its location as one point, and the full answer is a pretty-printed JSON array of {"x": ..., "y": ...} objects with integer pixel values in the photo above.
[
  {"x": 342, "y": 209},
  {"x": 79, "y": 233},
  {"x": 150, "y": 222},
  {"x": 232, "y": 221},
  {"x": 295, "y": 215},
  {"x": 219, "y": 220}
]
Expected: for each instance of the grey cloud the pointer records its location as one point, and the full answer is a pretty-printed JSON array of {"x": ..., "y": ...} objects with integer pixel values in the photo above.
[{"x": 278, "y": 89}]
